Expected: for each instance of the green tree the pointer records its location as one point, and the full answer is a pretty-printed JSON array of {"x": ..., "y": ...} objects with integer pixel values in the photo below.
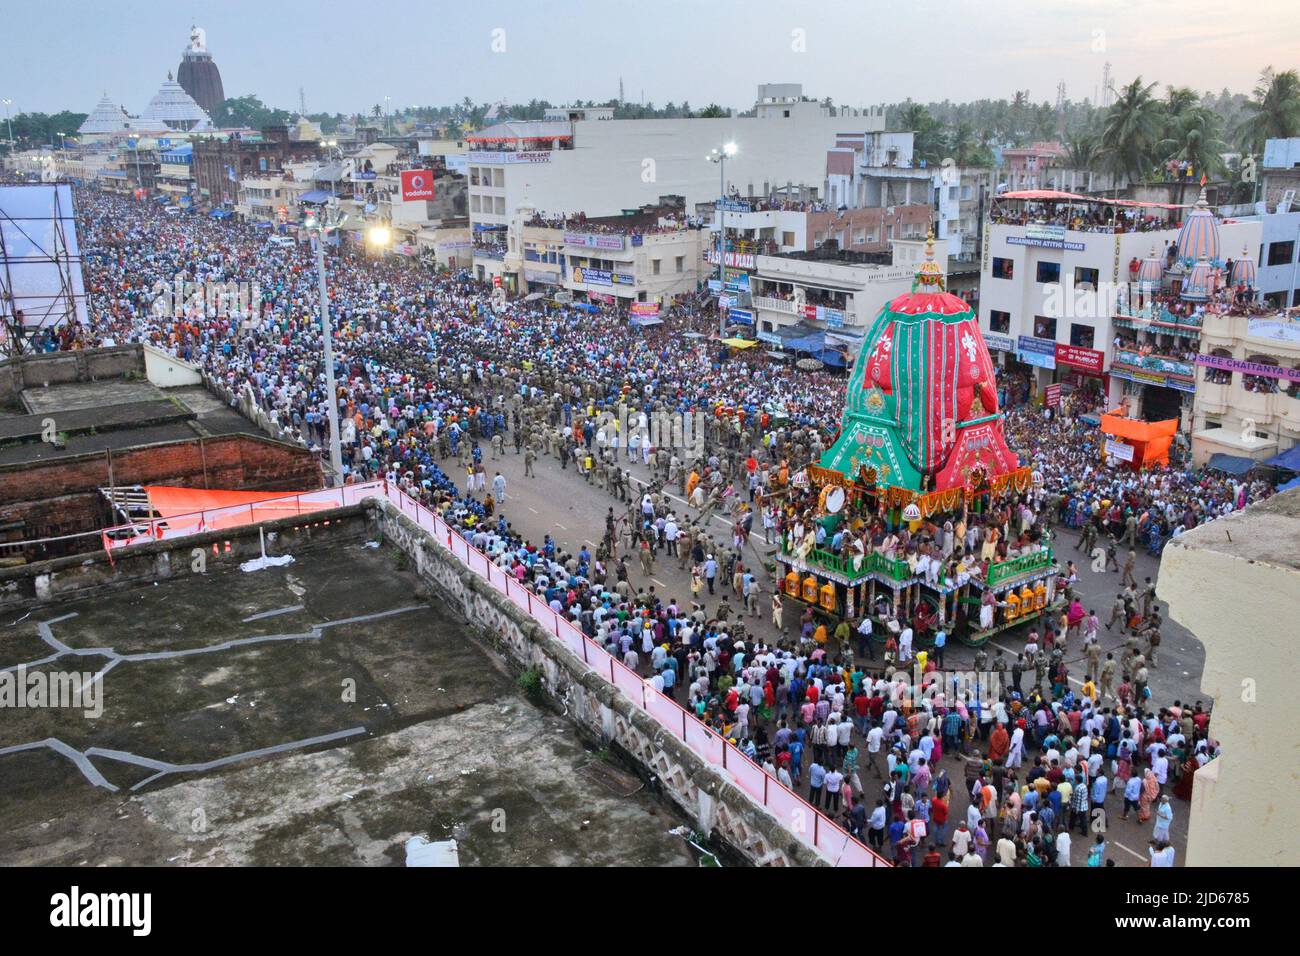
[
  {"x": 1273, "y": 112},
  {"x": 1193, "y": 136},
  {"x": 248, "y": 111},
  {"x": 1132, "y": 131},
  {"x": 927, "y": 137},
  {"x": 712, "y": 111}
]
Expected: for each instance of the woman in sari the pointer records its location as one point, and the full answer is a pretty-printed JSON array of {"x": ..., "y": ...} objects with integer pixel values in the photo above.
[
  {"x": 1183, "y": 789},
  {"x": 1150, "y": 790}
]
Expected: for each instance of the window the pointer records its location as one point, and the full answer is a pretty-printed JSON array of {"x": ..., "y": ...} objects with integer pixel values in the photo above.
[
  {"x": 1083, "y": 275},
  {"x": 1049, "y": 272},
  {"x": 655, "y": 266},
  {"x": 1281, "y": 253},
  {"x": 681, "y": 264},
  {"x": 1044, "y": 328},
  {"x": 1219, "y": 376},
  {"x": 1003, "y": 268},
  {"x": 787, "y": 238},
  {"x": 1081, "y": 335},
  {"x": 999, "y": 321},
  {"x": 1265, "y": 384}
]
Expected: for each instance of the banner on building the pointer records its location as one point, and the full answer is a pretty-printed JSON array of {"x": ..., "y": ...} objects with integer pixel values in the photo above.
[
  {"x": 417, "y": 184},
  {"x": 1248, "y": 368},
  {"x": 1037, "y": 352},
  {"x": 1052, "y": 395},
  {"x": 1118, "y": 449},
  {"x": 1088, "y": 360}
]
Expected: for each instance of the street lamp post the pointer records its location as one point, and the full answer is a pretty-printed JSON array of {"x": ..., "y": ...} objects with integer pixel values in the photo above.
[
  {"x": 327, "y": 222},
  {"x": 719, "y": 156},
  {"x": 9, "y": 122}
]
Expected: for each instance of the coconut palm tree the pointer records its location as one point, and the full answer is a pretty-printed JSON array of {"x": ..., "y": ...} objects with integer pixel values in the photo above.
[
  {"x": 1273, "y": 112},
  {"x": 1132, "y": 130},
  {"x": 1193, "y": 136},
  {"x": 927, "y": 140}
]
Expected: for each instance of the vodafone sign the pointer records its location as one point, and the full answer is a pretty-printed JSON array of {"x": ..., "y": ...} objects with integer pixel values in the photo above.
[{"x": 417, "y": 184}]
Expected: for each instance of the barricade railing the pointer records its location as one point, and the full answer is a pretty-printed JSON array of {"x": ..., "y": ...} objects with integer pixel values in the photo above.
[
  {"x": 234, "y": 516},
  {"x": 809, "y": 824}
]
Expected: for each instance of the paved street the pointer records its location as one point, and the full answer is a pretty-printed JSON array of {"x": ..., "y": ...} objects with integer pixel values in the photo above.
[{"x": 561, "y": 503}]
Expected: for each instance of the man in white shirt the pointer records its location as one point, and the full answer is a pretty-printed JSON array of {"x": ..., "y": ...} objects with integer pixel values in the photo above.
[
  {"x": 1006, "y": 850},
  {"x": 874, "y": 736},
  {"x": 1063, "y": 848}
]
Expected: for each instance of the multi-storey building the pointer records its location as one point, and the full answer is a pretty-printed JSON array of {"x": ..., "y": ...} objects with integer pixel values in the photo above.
[
  {"x": 822, "y": 301},
  {"x": 878, "y": 170},
  {"x": 1248, "y": 385},
  {"x": 583, "y": 160},
  {"x": 1055, "y": 294},
  {"x": 223, "y": 161}
]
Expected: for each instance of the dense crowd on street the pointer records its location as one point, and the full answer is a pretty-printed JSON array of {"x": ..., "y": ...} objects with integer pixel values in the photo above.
[{"x": 435, "y": 370}]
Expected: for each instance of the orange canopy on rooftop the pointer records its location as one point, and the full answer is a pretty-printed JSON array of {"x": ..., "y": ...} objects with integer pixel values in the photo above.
[
  {"x": 203, "y": 507},
  {"x": 1150, "y": 440}
]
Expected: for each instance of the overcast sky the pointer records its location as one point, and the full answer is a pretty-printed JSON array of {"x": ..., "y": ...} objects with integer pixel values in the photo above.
[{"x": 63, "y": 54}]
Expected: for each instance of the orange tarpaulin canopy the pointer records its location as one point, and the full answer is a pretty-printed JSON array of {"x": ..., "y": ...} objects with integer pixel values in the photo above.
[
  {"x": 1150, "y": 440},
  {"x": 213, "y": 509}
]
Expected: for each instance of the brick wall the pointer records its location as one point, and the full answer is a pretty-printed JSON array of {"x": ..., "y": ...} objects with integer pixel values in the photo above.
[{"x": 30, "y": 492}]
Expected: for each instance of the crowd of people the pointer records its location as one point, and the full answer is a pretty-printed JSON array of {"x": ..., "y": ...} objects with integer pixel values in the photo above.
[
  {"x": 1095, "y": 218},
  {"x": 434, "y": 369}
]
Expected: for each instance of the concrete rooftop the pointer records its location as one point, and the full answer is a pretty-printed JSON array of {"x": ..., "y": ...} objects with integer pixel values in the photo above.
[
  {"x": 438, "y": 741},
  {"x": 1268, "y": 532}
]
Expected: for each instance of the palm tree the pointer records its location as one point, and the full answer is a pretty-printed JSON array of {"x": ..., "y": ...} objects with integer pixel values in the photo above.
[
  {"x": 1194, "y": 137},
  {"x": 1274, "y": 112},
  {"x": 927, "y": 140},
  {"x": 1180, "y": 99},
  {"x": 1131, "y": 134}
]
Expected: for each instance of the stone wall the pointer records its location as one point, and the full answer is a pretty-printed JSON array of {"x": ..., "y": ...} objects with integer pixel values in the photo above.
[
  {"x": 57, "y": 368},
  {"x": 720, "y": 809}
]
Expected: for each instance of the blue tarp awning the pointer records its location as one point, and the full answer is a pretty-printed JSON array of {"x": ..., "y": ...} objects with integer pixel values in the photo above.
[
  {"x": 1293, "y": 483},
  {"x": 807, "y": 343},
  {"x": 314, "y": 195},
  {"x": 1289, "y": 459},
  {"x": 832, "y": 357},
  {"x": 1231, "y": 464},
  {"x": 645, "y": 320},
  {"x": 221, "y": 214}
]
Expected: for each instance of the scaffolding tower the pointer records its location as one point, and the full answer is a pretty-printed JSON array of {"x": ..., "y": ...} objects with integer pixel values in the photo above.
[{"x": 41, "y": 282}]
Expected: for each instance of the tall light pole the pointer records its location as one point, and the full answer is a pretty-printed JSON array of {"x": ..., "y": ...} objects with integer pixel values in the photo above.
[
  {"x": 719, "y": 156},
  {"x": 9, "y": 122},
  {"x": 331, "y": 147},
  {"x": 322, "y": 224}
]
